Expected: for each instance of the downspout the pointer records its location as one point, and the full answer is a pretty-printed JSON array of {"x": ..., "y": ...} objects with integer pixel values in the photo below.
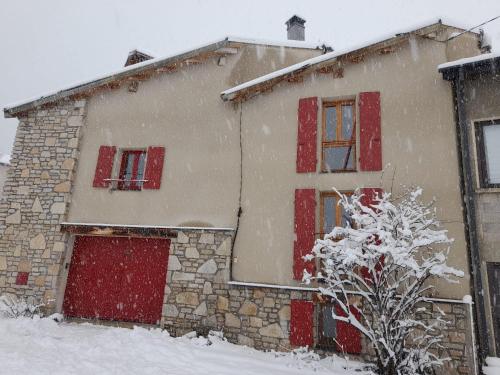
[
  {"x": 467, "y": 187},
  {"x": 240, "y": 210}
]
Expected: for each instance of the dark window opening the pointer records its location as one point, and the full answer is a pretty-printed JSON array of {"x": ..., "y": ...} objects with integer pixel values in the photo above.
[
  {"x": 327, "y": 326},
  {"x": 488, "y": 153},
  {"x": 132, "y": 170}
]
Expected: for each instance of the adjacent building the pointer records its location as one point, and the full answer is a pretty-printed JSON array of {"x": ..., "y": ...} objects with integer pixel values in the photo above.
[
  {"x": 183, "y": 191},
  {"x": 476, "y": 89},
  {"x": 4, "y": 166}
]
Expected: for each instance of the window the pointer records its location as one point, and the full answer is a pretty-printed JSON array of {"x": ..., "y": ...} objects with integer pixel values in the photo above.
[
  {"x": 327, "y": 326},
  {"x": 338, "y": 145},
  {"x": 132, "y": 170},
  {"x": 488, "y": 153},
  {"x": 331, "y": 212}
]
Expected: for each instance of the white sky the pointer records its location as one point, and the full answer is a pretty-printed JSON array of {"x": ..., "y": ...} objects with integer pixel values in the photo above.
[{"x": 53, "y": 43}]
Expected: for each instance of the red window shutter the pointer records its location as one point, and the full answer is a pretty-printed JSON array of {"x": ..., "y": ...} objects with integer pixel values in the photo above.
[
  {"x": 307, "y": 135},
  {"x": 305, "y": 226},
  {"x": 301, "y": 323},
  {"x": 104, "y": 166},
  {"x": 154, "y": 167},
  {"x": 348, "y": 338},
  {"x": 370, "y": 137}
]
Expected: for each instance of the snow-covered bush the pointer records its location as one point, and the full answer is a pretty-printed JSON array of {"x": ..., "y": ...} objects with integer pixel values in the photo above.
[
  {"x": 377, "y": 270},
  {"x": 14, "y": 307}
]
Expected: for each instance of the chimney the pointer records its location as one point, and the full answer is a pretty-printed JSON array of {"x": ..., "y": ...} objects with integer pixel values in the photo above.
[
  {"x": 295, "y": 28},
  {"x": 135, "y": 56}
]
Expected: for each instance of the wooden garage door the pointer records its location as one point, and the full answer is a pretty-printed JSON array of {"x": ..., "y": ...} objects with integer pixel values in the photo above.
[{"x": 117, "y": 278}]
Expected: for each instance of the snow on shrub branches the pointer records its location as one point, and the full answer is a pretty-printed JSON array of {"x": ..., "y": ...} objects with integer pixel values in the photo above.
[{"x": 378, "y": 268}]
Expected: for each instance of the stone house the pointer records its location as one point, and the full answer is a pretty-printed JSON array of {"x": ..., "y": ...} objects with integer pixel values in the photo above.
[
  {"x": 183, "y": 191},
  {"x": 476, "y": 93}
]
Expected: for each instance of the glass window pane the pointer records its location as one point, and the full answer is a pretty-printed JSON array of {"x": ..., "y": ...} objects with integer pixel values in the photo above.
[
  {"x": 329, "y": 219},
  {"x": 347, "y": 122},
  {"x": 129, "y": 169},
  {"x": 345, "y": 220},
  {"x": 331, "y": 124},
  {"x": 338, "y": 158},
  {"x": 492, "y": 152},
  {"x": 329, "y": 323},
  {"x": 140, "y": 168}
]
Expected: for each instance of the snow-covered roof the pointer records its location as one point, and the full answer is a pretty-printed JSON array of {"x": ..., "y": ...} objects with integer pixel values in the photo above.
[
  {"x": 4, "y": 159},
  {"x": 11, "y": 109},
  {"x": 232, "y": 92},
  {"x": 469, "y": 60}
]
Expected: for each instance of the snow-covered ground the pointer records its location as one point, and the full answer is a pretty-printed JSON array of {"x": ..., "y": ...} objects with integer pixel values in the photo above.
[
  {"x": 42, "y": 346},
  {"x": 492, "y": 366}
]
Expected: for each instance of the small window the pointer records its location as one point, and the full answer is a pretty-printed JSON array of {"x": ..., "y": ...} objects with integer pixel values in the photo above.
[
  {"x": 338, "y": 151},
  {"x": 132, "y": 168},
  {"x": 327, "y": 326},
  {"x": 331, "y": 212},
  {"x": 488, "y": 153}
]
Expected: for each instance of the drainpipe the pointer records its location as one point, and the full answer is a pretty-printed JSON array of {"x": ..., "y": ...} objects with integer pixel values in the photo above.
[{"x": 467, "y": 183}]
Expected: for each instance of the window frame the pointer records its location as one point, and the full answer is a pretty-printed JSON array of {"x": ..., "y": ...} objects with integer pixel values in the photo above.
[
  {"x": 339, "y": 142},
  {"x": 481, "y": 157},
  {"x": 338, "y": 208},
  {"x": 134, "y": 183}
]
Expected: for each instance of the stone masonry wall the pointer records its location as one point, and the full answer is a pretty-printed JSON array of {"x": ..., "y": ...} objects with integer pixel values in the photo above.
[
  {"x": 36, "y": 197},
  {"x": 199, "y": 298}
]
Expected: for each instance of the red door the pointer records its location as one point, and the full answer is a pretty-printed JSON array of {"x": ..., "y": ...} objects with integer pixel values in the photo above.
[{"x": 117, "y": 278}]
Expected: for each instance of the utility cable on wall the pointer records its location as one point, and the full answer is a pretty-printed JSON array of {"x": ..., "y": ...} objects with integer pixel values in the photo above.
[{"x": 240, "y": 210}]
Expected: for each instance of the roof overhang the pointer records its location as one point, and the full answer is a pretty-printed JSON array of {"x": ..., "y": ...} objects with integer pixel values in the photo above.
[
  {"x": 328, "y": 63},
  {"x": 471, "y": 67},
  {"x": 144, "y": 70}
]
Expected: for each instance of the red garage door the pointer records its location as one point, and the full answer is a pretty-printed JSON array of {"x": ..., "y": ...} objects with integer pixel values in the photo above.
[{"x": 117, "y": 278}]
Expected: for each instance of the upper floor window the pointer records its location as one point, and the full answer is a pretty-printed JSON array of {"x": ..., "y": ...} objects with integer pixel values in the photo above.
[
  {"x": 488, "y": 153},
  {"x": 133, "y": 163},
  {"x": 338, "y": 145}
]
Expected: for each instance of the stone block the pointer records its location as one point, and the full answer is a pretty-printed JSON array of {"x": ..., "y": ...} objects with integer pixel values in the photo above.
[
  {"x": 258, "y": 294},
  {"x": 3, "y": 263},
  {"x": 58, "y": 247},
  {"x": 36, "y": 207},
  {"x": 284, "y": 313},
  {"x": 207, "y": 238},
  {"x": 248, "y": 308},
  {"x": 45, "y": 175},
  {"x": 201, "y": 310},
  {"x": 192, "y": 252},
  {"x": 268, "y": 302},
  {"x": 25, "y": 173},
  {"x": 53, "y": 269},
  {"x": 24, "y": 265},
  {"x": 255, "y": 322},
  {"x": 222, "y": 303},
  {"x": 73, "y": 143},
  {"x": 75, "y": 121},
  {"x": 207, "y": 288},
  {"x": 247, "y": 341},
  {"x": 182, "y": 238},
  {"x": 232, "y": 320},
  {"x": 173, "y": 263},
  {"x": 63, "y": 187},
  {"x": 209, "y": 267},
  {"x": 183, "y": 276},
  {"x": 14, "y": 218},
  {"x": 68, "y": 164},
  {"x": 272, "y": 330},
  {"x": 170, "y": 311},
  {"x": 46, "y": 253},
  {"x": 38, "y": 242},
  {"x": 58, "y": 208},
  {"x": 40, "y": 281},
  {"x": 187, "y": 298},
  {"x": 224, "y": 248}
]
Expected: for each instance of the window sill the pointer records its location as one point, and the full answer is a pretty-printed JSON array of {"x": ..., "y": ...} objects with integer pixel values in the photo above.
[
  {"x": 339, "y": 171},
  {"x": 487, "y": 190}
]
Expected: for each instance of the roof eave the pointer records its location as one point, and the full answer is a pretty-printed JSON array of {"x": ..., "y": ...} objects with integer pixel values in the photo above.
[
  {"x": 487, "y": 66},
  {"x": 11, "y": 112}
]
